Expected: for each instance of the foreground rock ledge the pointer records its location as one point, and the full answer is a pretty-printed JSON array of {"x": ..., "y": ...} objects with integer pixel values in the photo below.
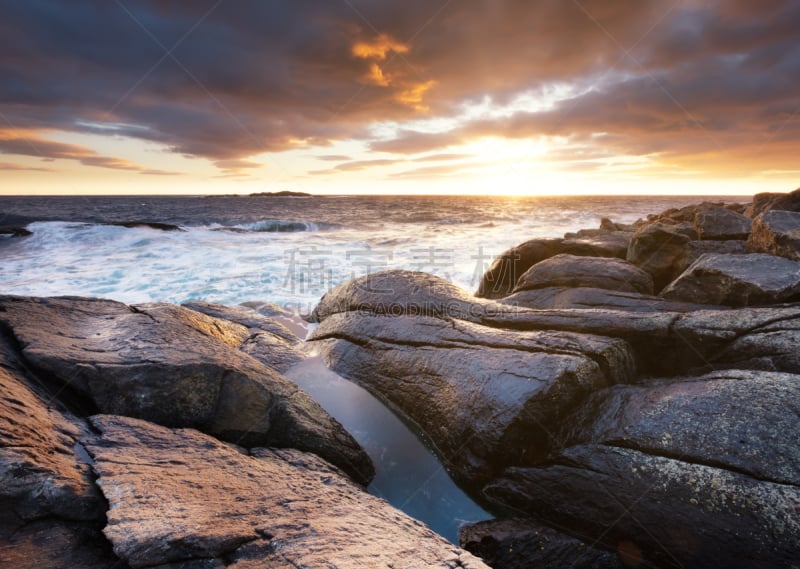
[
  {"x": 177, "y": 367},
  {"x": 179, "y": 496}
]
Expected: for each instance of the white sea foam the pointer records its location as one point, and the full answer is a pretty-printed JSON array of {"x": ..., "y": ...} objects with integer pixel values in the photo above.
[{"x": 289, "y": 262}]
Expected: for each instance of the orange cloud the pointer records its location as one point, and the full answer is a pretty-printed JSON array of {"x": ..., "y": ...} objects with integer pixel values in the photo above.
[
  {"x": 378, "y": 49},
  {"x": 376, "y": 76},
  {"x": 414, "y": 95}
]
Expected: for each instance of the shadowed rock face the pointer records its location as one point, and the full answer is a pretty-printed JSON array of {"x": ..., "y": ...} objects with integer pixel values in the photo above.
[
  {"x": 777, "y": 233},
  {"x": 656, "y": 248},
  {"x": 175, "y": 367},
  {"x": 522, "y": 543},
  {"x": 181, "y": 496},
  {"x": 674, "y": 513}
]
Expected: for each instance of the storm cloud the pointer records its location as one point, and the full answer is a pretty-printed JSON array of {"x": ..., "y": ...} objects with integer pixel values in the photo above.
[{"x": 228, "y": 80}]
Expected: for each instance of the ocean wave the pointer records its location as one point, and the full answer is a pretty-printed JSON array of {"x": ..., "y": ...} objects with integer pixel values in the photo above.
[{"x": 276, "y": 226}]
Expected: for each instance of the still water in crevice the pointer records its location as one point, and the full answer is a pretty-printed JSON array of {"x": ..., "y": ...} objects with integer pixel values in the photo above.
[{"x": 408, "y": 475}]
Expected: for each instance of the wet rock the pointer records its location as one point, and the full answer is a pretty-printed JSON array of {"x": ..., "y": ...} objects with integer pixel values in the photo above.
[
  {"x": 269, "y": 342},
  {"x": 176, "y": 367},
  {"x": 500, "y": 279},
  {"x": 399, "y": 293},
  {"x": 660, "y": 510},
  {"x": 485, "y": 398},
  {"x": 13, "y": 231},
  {"x": 248, "y": 317},
  {"x": 521, "y": 543},
  {"x": 737, "y": 280},
  {"x": 744, "y": 421},
  {"x": 656, "y": 248},
  {"x": 769, "y": 201},
  {"x": 604, "y": 244},
  {"x": 771, "y": 346},
  {"x": 575, "y": 271},
  {"x": 670, "y": 343},
  {"x": 590, "y": 298},
  {"x": 777, "y": 233},
  {"x": 721, "y": 223},
  {"x": 178, "y": 496},
  {"x": 148, "y": 224}
]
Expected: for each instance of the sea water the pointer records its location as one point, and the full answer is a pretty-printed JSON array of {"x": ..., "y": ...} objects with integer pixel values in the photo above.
[{"x": 290, "y": 251}]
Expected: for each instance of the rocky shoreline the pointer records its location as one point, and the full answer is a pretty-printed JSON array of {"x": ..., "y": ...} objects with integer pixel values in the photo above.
[{"x": 623, "y": 396}]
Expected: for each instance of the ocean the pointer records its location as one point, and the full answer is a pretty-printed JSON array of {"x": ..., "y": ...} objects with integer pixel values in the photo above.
[
  {"x": 285, "y": 250},
  {"x": 290, "y": 251}
]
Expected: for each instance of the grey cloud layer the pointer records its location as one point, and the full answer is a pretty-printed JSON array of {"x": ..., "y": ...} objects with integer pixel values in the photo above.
[{"x": 246, "y": 77}]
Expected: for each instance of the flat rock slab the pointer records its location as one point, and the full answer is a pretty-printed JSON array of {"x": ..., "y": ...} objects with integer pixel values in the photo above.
[
  {"x": 777, "y": 233},
  {"x": 486, "y": 398},
  {"x": 661, "y": 510},
  {"x": 745, "y": 421},
  {"x": 576, "y": 271},
  {"x": 176, "y": 367},
  {"x": 737, "y": 280},
  {"x": 179, "y": 496},
  {"x": 721, "y": 223}
]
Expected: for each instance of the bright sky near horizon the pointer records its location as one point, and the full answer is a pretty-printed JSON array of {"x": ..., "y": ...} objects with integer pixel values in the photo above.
[{"x": 497, "y": 97}]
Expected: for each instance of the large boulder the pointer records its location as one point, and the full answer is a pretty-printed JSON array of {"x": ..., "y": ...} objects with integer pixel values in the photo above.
[
  {"x": 501, "y": 277},
  {"x": 521, "y": 543},
  {"x": 768, "y": 201},
  {"x": 399, "y": 293},
  {"x": 662, "y": 510},
  {"x": 656, "y": 248},
  {"x": 737, "y": 280},
  {"x": 179, "y": 496},
  {"x": 721, "y": 223},
  {"x": 744, "y": 421},
  {"x": 777, "y": 233},
  {"x": 485, "y": 398},
  {"x": 176, "y": 367},
  {"x": 574, "y": 271}
]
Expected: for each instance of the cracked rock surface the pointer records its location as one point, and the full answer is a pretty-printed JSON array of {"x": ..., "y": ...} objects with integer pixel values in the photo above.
[{"x": 178, "y": 496}]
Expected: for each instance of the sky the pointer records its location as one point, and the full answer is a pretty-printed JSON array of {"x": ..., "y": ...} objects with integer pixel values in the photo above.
[{"x": 496, "y": 97}]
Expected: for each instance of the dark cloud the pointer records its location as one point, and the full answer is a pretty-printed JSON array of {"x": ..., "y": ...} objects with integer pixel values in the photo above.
[{"x": 229, "y": 80}]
